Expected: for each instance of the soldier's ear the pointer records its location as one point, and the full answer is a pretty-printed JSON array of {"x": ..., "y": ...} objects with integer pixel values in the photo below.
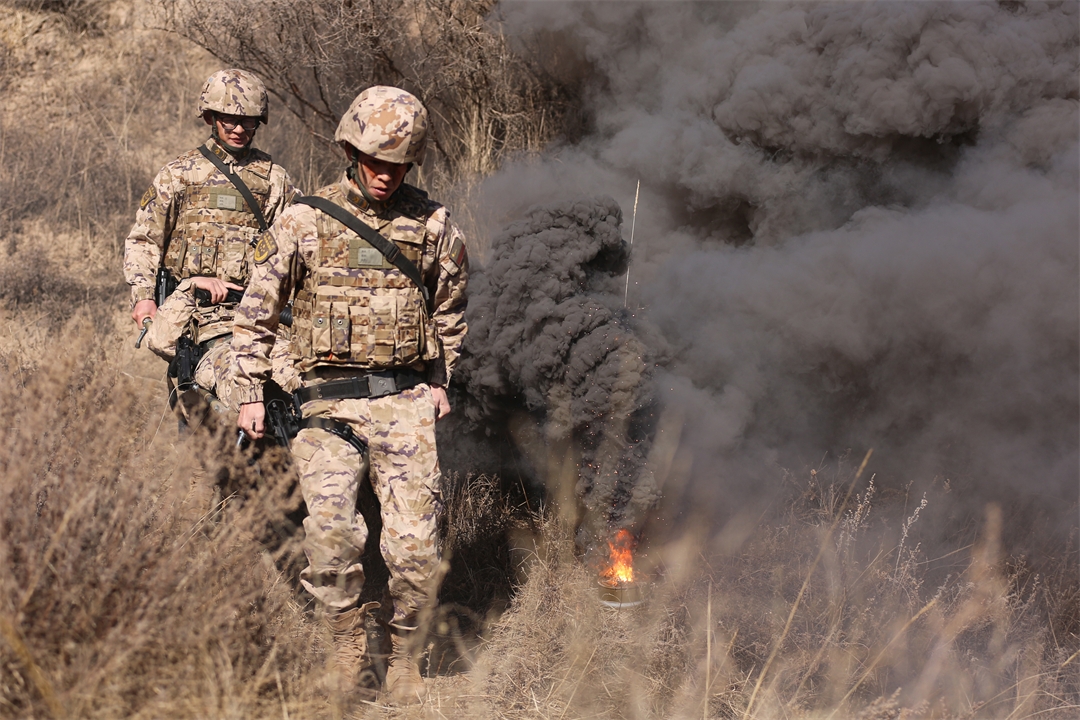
[{"x": 208, "y": 117}]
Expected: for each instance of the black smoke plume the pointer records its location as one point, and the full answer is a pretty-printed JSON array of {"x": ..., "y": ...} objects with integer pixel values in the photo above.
[
  {"x": 858, "y": 228},
  {"x": 553, "y": 358}
]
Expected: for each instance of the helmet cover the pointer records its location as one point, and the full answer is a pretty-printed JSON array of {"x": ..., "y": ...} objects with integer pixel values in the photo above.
[
  {"x": 386, "y": 123},
  {"x": 234, "y": 92}
]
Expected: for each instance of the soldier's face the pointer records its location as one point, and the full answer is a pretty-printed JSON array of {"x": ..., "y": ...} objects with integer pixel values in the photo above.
[
  {"x": 381, "y": 178},
  {"x": 236, "y": 131}
]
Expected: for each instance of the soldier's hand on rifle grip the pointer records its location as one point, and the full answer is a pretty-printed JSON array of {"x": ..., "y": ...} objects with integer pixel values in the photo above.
[
  {"x": 218, "y": 289},
  {"x": 144, "y": 309},
  {"x": 252, "y": 418}
]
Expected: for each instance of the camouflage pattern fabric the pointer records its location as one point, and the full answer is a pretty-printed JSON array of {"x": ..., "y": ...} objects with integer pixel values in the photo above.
[
  {"x": 399, "y": 428},
  {"x": 282, "y": 363},
  {"x": 214, "y": 373},
  {"x": 173, "y": 319},
  {"x": 210, "y": 231},
  {"x": 355, "y": 308},
  {"x": 386, "y": 123},
  {"x": 296, "y": 251},
  {"x": 404, "y": 472},
  {"x": 234, "y": 92},
  {"x": 216, "y": 369}
]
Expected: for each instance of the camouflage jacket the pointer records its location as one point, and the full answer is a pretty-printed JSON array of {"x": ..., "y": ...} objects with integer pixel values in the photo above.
[
  {"x": 194, "y": 211},
  {"x": 289, "y": 255}
]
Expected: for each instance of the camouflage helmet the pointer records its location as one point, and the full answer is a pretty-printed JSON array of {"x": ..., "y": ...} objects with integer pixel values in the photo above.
[
  {"x": 386, "y": 123},
  {"x": 234, "y": 92}
]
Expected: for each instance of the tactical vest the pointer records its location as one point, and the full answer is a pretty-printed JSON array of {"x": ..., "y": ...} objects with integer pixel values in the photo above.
[
  {"x": 354, "y": 308},
  {"x": 215, "y": 229}
]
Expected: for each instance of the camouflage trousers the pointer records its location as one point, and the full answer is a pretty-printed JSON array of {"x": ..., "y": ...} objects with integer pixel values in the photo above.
[{"x": 404, "y": 472}]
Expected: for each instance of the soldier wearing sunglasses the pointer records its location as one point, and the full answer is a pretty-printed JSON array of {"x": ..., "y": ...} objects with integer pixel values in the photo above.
[{"x": 196, "y": 227}]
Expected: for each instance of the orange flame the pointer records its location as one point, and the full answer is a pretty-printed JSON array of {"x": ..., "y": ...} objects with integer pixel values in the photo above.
[{"x": 621, "y": 570}]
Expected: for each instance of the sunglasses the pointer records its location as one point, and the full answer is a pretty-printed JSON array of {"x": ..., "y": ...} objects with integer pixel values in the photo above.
[{"x": 248, "y": 123}]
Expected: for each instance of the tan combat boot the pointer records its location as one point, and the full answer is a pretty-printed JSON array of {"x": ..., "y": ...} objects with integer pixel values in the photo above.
[
  {"x": 350, "y": 661},
  {"x": 403, "y": 682}
]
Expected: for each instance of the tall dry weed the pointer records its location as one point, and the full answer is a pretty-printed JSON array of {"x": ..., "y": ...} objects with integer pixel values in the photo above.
[
  {"x": 119, "y": 594},
  {"x": 829, "y": 611},
  {"x": 84, "y": 16},
  {"x": 124, "y": 592},
  {"x": 85, "y": 121}
]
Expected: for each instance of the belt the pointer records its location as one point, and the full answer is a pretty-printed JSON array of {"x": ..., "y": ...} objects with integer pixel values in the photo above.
[{"x": 371, "y": 385}]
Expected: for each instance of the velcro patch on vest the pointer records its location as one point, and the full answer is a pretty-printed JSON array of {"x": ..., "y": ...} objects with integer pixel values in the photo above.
[
  {"x": 226, "y": 202},
  {"x": 362, "y": 255},
  {"x": 222, "y": 199},
  {"x": 265, "y": 248}
]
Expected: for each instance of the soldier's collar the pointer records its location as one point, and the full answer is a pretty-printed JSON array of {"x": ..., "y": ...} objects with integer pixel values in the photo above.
[
  {"x": 357, "y": 197},
  {"x": 226, "y": 153}
]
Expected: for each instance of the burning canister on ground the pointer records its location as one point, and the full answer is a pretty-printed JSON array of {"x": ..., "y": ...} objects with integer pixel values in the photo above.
[{"x": 618, "y": 587}]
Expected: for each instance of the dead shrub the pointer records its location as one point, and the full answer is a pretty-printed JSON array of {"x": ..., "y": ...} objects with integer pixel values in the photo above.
[
  {"x": 831, "y": 610},
  {"x": 486, "y": 99},
  {"x": 118, "y": 594},
  {"x": 70, "y": 181}
]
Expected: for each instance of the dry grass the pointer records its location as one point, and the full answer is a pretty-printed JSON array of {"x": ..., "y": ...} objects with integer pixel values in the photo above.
[
  {"x": 107, "y": 110},
  {"x": 121, "y": 595},
  {"x": 820, "y": 614},
  {"x": 487, "y": 101}
]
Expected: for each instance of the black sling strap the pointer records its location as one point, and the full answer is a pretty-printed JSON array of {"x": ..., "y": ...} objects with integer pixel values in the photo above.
[
  {"x": 234, "y": 178},
  {"x": 389, "y": 250},
  {"x": 340, "y": 429}
]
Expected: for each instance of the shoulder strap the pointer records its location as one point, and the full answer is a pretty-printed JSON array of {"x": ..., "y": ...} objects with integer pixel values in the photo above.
[
  {"x": 389, "y": 250},
  {"x": 238, "y": 183}
]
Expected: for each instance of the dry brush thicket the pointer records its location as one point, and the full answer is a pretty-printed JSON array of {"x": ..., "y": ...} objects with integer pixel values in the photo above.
[
  {"x": 487, "y": 101},
  {"x": 87, "y": 118},
  {"x": 124, "y": 592}
]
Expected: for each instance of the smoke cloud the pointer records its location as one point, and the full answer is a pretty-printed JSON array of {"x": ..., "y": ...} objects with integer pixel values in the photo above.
[
  {"x": 858, "y": 228},
  {"x": 548, "y": 331}
]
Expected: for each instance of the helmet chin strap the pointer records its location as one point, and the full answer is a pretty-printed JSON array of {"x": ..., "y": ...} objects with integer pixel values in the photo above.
[{"x": 353, "y": 173}]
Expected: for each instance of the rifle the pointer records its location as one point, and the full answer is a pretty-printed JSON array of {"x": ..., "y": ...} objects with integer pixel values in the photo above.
[
  {"x": 182, "y": 367},
  {"x": 166, "y": 284},
  {"x": 282, "y": 424},
  {"x": 284, "y": 419}
]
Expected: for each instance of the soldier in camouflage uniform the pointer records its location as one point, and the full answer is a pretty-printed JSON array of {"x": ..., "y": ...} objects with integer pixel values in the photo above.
[
  {"x": 200, "y": 220},
  {"x": 373, "y": 355}
]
